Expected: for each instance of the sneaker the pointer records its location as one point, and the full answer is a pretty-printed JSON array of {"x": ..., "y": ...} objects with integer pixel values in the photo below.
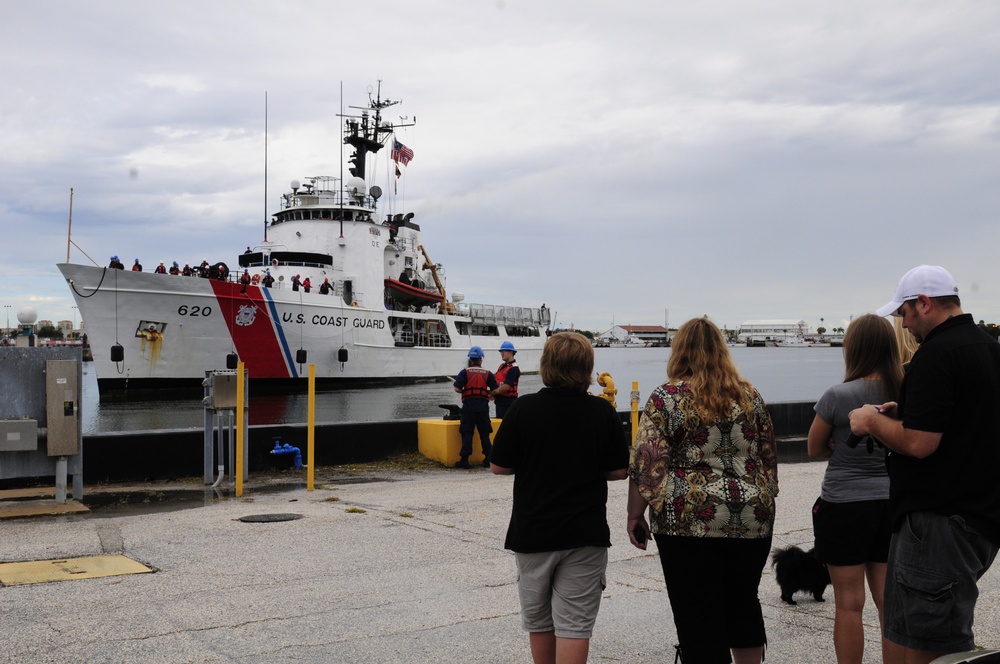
[{"x": 463, "y": 463}]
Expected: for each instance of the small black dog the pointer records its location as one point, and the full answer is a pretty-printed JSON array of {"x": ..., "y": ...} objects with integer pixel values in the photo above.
[{"x": 796, "y": 569}]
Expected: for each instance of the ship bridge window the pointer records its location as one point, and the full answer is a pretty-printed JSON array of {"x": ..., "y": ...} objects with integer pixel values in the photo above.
[
  {"x": 317, "y": 214},
  {"x": 251, "y": 259}
]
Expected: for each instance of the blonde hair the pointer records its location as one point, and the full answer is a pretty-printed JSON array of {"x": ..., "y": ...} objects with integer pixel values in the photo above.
[
  {"x": 700, "y": 357},
  {"x": 567, "y": 361},
  {"x": 907, "y": 343}
]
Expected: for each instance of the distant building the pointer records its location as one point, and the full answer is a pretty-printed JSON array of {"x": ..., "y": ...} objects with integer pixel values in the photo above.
[
  {"x": 772, "y": 330},
  {"x": 636, "y": 335},
  {"x": 656, "y": 334}
]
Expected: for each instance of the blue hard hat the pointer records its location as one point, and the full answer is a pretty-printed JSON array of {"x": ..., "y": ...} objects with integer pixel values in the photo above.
[
  {"x": 508, "y": 346},
  {"x": 476, "y": 352}
]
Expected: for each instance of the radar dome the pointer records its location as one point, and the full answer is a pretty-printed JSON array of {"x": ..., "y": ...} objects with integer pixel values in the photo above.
[
  {"x": 27, "y": 315},
  {"x": 357, "y": 187}
]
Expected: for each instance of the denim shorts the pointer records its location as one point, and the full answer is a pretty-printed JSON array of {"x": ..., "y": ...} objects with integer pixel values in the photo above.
[
  {"x": 561, "y": 590},
  {"x": 935, "y": 562}
]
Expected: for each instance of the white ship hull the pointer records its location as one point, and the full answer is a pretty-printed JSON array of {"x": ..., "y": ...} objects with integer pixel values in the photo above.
[{"x": 173, "y": 328}]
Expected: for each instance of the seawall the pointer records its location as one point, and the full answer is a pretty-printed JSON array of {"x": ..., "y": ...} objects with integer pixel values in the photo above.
[{"x": 179, "y": 453}]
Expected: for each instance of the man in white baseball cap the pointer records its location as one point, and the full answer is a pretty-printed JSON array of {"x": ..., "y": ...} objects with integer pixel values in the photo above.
[
  {"x": 929, "y": 280},
  {"x": 943, "y": 468}
]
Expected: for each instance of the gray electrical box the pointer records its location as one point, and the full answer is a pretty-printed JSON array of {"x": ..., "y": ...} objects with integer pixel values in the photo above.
[
  {"x": 18, "y": 435},
  {"x": 224, "y": 390},
  {"x": 61, "y": 399}
]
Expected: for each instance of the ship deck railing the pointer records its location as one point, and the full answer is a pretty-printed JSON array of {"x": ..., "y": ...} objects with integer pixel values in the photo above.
[
  {"x": 432, "y": 340},
  {"x": 491, "y": 314}
]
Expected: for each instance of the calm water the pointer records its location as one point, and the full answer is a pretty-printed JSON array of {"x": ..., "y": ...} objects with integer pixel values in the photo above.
[{"x": 780, "y": 374}]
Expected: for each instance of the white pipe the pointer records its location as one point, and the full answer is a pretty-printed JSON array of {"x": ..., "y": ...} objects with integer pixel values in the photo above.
[{"x": 220, "y": 446}]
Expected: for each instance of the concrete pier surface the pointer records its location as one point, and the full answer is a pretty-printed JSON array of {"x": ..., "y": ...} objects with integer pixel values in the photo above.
[{"x": 383, "y": 566}]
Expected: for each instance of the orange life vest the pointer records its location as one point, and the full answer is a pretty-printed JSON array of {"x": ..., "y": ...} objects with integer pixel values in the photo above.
[
  {"x": 475, "y": 384},
  {"x": 501, "y": 373}
]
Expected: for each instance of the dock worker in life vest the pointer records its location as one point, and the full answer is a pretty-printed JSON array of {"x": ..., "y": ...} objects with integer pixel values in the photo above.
[
  {"x": 475, "y": 384},
  {"x": 507, "y": 377}
]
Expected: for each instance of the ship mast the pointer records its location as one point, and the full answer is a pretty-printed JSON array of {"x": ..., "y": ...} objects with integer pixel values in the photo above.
[{"x": 368, "y": 134}]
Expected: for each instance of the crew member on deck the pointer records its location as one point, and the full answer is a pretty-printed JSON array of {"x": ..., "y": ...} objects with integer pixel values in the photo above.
[
  {"x": 187, "y": 271},
  {"x": 136, "y": 267},
  {"x": 174, "y": 269},
  {"x": 268, "y": 280},
  {"x": 296, "y": 283},
  {"x": 306, "y": 284},
  {"x": 324, "y": 288},
  {"x": 507, "y": 376},
  {"x": 116, "y": 264},
  {"x": 475, "y": 383},
  {"x": 245, "y": 280},
  {"x": 160, "y": 269}
]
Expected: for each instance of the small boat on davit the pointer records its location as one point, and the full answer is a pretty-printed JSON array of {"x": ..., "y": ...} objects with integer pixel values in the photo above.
[
  {"x": 377, "y": 310},
  {"x": 411, "y": 295}
]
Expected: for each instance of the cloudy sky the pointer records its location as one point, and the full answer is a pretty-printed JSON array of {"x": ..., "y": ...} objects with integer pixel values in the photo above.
[{"x": 629, "y": 162}]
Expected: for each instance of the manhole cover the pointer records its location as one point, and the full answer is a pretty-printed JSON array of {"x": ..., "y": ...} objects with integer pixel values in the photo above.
[{"x": 269, "y": 518}]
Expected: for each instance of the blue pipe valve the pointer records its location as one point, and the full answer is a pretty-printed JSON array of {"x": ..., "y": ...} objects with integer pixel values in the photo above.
[{"x": 288, "y": 449}]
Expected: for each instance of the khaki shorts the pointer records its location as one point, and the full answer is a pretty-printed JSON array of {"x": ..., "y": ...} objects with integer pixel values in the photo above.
[{"x": 561, "y": 590}]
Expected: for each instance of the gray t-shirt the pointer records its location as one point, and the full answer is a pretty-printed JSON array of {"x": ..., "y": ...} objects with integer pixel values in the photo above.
[{"x": 852, "y": 475}]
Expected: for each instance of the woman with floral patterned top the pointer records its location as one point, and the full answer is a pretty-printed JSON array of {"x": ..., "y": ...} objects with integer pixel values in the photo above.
[{"x": 704, "y": 463}]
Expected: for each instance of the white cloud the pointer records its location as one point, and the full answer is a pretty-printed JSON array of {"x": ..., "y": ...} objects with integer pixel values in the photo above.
[{"x": 744, "y": 160}]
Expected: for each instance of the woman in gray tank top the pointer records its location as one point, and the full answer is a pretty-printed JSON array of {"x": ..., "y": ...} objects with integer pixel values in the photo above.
[{"x": 851, "y": 517}]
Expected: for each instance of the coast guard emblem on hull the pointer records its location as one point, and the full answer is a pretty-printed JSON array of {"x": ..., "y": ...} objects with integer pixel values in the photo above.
[{"x": 246, "y": 315}]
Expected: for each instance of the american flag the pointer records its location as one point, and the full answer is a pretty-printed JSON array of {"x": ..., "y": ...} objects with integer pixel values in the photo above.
[{"x": 401, "y": 153}]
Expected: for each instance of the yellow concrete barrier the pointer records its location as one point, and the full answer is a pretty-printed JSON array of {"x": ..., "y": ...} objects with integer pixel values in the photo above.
[{"x": 441, "y": 441}]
